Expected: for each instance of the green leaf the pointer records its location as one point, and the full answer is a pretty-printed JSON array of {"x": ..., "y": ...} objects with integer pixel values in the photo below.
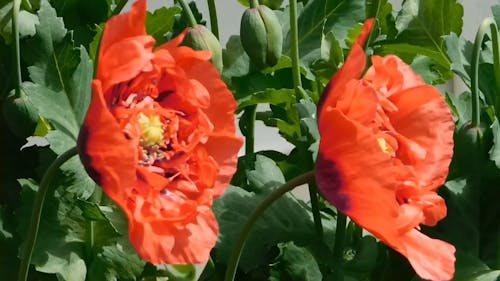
[
  {"x": 79, "y": 91},
  {"x": 266, "y": 174},
  {"x": 59, "y": 72},
  {"x": 91, "y": 211},
  {"x": 382, "y": 11},
  {"x": 236, "y": 60},
  {"x": 470, "y": 268},
  {"x": 49, "y": 59},
  {"x": 81, "y": 185},
  {"x": 160, "y": 22},
  {"x": 58, "y": 113},
  {"x": 495, "y": 149},
  {"x": 270, "y": 96},
  {"x": 320, "y": 17},
  {"x": 424, "y": 22},
  {"x": 116, "y": 262},
  {"x": 460, "y": 52},
  {"x": 421, "y": 25},
  {"x": 96, "y": 41},
  {"x": 27, "y": 22},
  {"x": 427, "y": 69},
  {"x": 461, "y": 107},
  {"x": 297, "y": 263},
  {"x": 408, "y": 52},
  {"x": 285, "y": 220},
  {"x": 170, "y": 272},
  {"x": 82, "y": 16},
  {"x": 59, "y": 248}
]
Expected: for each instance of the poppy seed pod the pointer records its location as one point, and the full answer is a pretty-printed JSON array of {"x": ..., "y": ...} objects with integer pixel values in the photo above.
[
  {"x": 261, "y": 35},
  {"x": 200, "y": 38},
  {"x": 20, "y": 114}
]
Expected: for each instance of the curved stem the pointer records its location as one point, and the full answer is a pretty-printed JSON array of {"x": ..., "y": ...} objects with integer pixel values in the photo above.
[
  {"x": 214, "y": 25},
  {"x": 496, "y": 65},
  {"x": 15, "y": 31},
  {"x": 37, "y": 211},
  {"x": 294, "y": 45},
  {"x": 257, "y": 213},
  {"x": 476, "y": 112},
  {"x": 338, "y": 249},
  {"x": 119, "y": 7},
  {"x": 186, "y": 9}
]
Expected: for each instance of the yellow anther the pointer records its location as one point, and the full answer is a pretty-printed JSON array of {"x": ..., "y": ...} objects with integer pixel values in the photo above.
[
  {"x": 152, "y": 130},
  {"x": 386, "y": 148}
]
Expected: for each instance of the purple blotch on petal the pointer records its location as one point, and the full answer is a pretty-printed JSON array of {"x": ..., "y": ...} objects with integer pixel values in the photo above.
[{"x": 330, "y": 183}]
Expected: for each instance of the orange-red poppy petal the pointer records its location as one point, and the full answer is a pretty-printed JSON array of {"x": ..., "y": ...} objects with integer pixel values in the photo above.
[
  {"x": 425, "y": 119},
  {"x": 107, "y": 155},
  {"x": 187, "y": 242},
  {"x": 352, "y": 68},
  {"x": 124, "y": 60},
  {"x": 432, "y": 259},
  {"x": 124, "y": 26},
  {"x": 355, "y": 174},
  {"x": 223, "y": 144},
  {"x": 389, "y": 74}
]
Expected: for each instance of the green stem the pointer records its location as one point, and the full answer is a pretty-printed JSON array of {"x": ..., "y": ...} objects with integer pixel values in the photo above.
[
  {"x": 476, "y": 112},
  {"x": 214, "y": 25},
  {"x": 496, "y": 66},
  {"x": 119, "y": 7},
  {"x": 15, "y": 30},
  {"x": 189, "y": 13},
  {"x": 254, "y": 3},
  {"x": 249, "y": 115},
  {"x": 294, "y": 45},
  {"x": 257, "y": 213},
  {"x": 313, "y": 194},
  {"x": 338, "y": 250},
  {"x": 37, "y": 211}
]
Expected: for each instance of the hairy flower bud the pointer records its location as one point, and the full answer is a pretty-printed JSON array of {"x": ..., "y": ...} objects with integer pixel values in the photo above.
[
  {"x": 200, "y": 38},
  {"x": 20, "y": 114},
  {"x": 261, "y": 36}
]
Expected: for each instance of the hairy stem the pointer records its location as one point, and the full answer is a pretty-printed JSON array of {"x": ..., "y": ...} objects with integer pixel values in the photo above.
[
  {"x": 187, "y": 10},
  {"x": 37, "y": 211},
  {"x": 297, "y": 83},
  {"x": 214, "y": 25},
  {"x": 257, "y": 213},
  {"x": 17, "y": 54}
]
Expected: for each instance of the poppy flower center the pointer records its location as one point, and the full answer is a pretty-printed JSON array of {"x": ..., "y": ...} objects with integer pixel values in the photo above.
[{"x": 152, "y": 130}]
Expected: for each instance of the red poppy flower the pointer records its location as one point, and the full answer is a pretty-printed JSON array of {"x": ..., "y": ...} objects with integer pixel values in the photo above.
[
  {"x": 159, "y": 137},
  {"x": 386, "y": 143}
]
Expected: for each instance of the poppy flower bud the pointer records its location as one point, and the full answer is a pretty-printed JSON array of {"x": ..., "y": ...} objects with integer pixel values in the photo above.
[
  {"x": 200, "y": 38},
  {"x": 261, "y": 35},
  {"x": 20, "y": 114}
]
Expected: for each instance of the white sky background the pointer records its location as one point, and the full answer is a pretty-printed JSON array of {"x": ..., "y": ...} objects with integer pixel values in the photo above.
[{"x": 229, "y": 13}]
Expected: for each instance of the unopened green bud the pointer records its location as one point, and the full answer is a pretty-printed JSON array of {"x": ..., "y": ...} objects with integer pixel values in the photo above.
[
  {"x": 20, "y": 114},
  {"x": 200, "y": 38},
  {"x": 261, "y": 35}
]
